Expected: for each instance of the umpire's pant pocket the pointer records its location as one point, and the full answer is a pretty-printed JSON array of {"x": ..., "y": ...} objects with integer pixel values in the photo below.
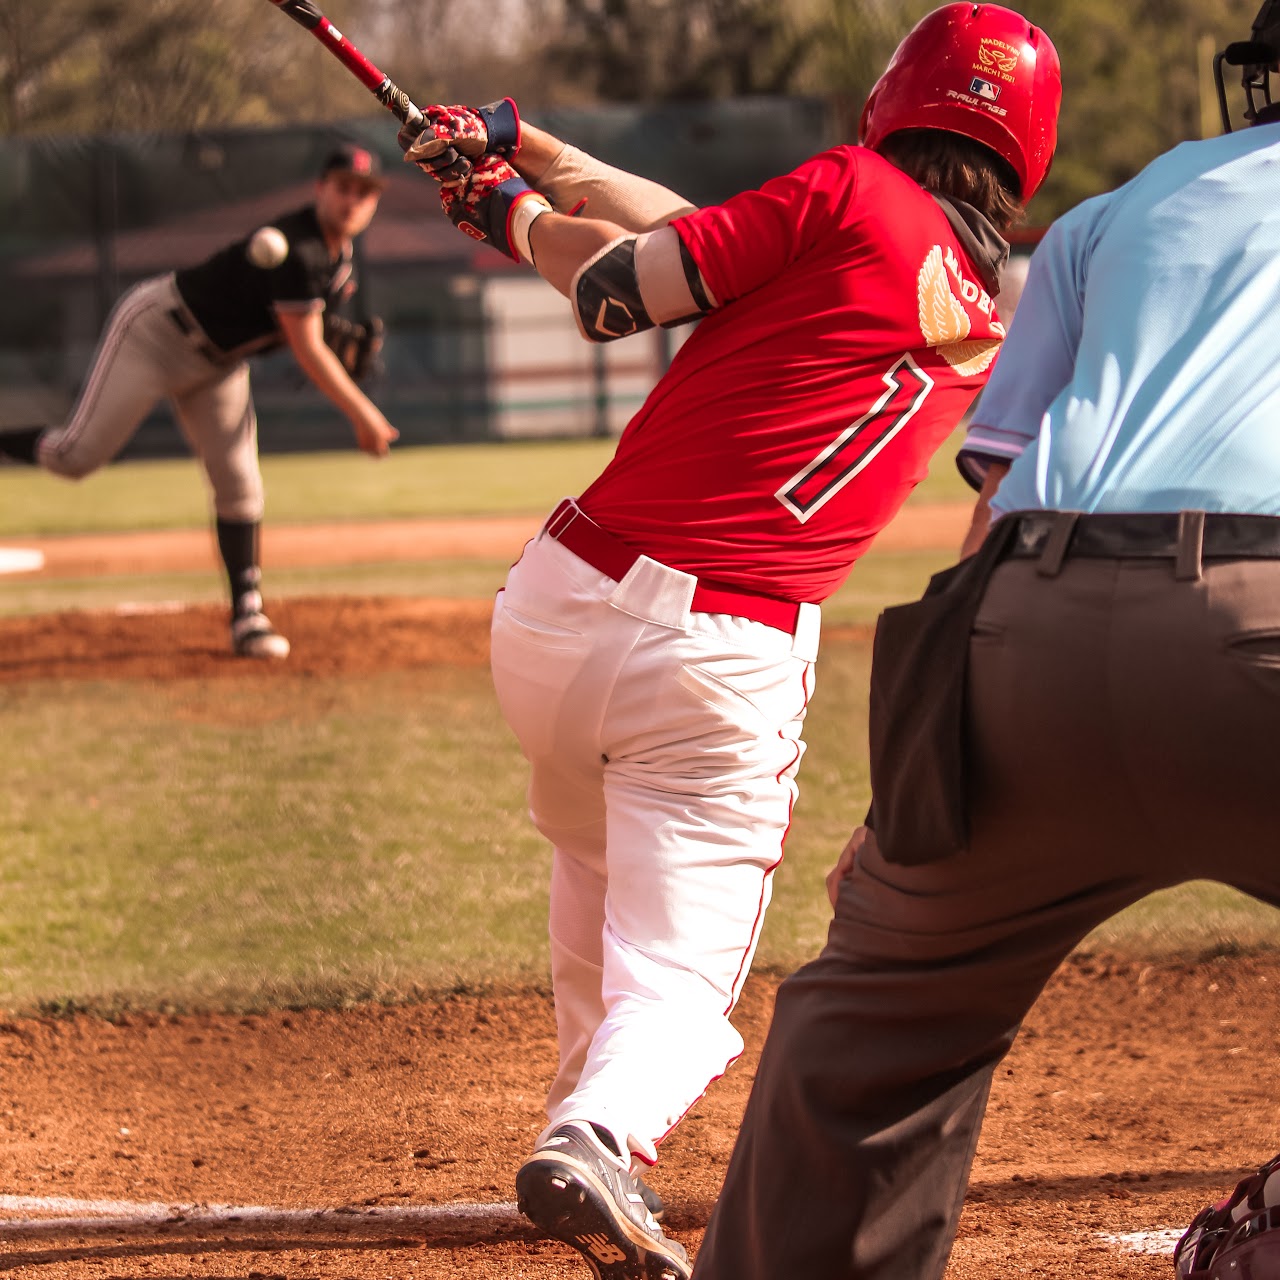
[{"x": 1256, "y": 648}]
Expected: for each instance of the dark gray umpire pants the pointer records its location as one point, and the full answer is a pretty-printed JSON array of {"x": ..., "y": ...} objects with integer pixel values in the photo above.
[{"x": 1124, "y": 708}]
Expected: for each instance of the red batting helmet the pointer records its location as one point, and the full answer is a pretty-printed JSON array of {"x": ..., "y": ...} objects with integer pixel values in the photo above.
[
  {"x": 1239, "y": 1237},
  {"x": 979, "y": 70}
]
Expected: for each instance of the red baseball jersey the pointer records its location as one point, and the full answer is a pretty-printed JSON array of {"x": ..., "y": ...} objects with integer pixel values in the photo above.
[{"x": 853, "y": 332}]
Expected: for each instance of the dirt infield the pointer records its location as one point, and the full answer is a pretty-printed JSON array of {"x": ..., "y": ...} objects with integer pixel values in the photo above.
[
  {"x": 380, "y": 1142},
  {"x": 331, "y": 636}
]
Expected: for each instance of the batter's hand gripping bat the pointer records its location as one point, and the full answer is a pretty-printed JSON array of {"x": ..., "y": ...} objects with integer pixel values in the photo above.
[{"x": 394, "y": 98}]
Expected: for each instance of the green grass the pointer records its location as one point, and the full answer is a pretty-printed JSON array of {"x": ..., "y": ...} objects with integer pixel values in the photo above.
[
  {"x": 514, "y": 477},
  {"x": 231, "y": 845},
  {"x": 1201, "y": 918},
  {"x": 442, "y": 480},
  {"x": 214, "y": 844}
]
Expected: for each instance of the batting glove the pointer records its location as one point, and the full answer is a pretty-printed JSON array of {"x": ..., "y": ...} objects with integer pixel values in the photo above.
[
  {"x": 455, "y": 137},
  {"x": 484, "y": 205}
]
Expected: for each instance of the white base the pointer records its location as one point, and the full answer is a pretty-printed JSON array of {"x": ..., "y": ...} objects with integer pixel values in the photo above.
[{"x": 20, "y": 560}]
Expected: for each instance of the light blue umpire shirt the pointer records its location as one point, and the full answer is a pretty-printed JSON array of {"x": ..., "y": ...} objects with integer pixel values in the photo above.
[{"x": 1142, "y": 371}]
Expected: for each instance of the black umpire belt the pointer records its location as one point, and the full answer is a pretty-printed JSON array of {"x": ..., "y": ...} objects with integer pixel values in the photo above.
[
  {"x": 1121, "y": 536},
  {"x": 1187, "y": 537}
]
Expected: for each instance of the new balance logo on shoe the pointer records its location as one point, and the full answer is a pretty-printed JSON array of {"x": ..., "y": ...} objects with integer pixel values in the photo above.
[{"x": 601, "y": 1248}]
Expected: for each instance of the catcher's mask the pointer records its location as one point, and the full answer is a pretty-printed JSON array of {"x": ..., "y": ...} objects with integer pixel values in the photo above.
[
  {"x": 979, "y": 70},
  {"x": 1258, "y": 57},
  {"x": 1239, "y": 1237}
]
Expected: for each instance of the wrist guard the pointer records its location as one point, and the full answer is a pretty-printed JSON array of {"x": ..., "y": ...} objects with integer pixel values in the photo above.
[{"x": 502, "y": 125}]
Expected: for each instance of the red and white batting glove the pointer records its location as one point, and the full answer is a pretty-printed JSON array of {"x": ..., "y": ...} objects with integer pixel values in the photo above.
[
  {"x": 455, "y": 137},
  {"x": 493, "y": 203}
]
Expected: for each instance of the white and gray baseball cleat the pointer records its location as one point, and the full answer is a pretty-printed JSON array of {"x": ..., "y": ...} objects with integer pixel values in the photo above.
[
  {"x": 574, "y": 1189},
  {"x": 652, "y": 1200},
  {"x": 253, "y": 636}
]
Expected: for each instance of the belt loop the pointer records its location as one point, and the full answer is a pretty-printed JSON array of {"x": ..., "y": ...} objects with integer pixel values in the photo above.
[
  {"x": 804, "y": 640},
  {"x": 561, "y": 518},
  {"x": 1055, "y": 545},
  {"x": 1189, "y": 565}
]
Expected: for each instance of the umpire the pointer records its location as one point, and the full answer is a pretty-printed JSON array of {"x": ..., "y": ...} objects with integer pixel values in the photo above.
[
  {"x": 1123, "y": 701},
  {"x": 186, "y": 336}
]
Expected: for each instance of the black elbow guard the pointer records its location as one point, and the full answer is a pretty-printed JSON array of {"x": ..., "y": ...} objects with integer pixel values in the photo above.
[{"x": 606, "y": 294}]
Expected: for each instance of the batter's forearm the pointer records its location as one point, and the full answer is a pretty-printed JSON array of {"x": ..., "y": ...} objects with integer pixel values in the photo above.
[
  {"x": 570, "y": 178},
  {"x": 561, "y": 245},
  {"x": 538, "y": 150}
]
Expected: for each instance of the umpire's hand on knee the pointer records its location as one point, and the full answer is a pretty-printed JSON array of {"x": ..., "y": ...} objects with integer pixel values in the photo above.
[{"x": 844, "y": 864}]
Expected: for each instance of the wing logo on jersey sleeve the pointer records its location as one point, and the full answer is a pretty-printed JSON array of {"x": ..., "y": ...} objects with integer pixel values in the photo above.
[{"x": 945, "y": 324}]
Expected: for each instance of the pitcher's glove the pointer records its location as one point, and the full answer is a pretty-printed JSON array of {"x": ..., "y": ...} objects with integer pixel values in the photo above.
[
  {"x": 484, "y": 203},
  {"x": 455, "y": 137},
  {"x": 356, "y": 345}
]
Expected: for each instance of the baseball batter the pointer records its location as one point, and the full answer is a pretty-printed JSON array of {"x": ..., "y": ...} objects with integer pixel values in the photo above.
[
  {"x": 186, "y": 336},
  {"x": 654, "y": 648},
  {"x": 1123, "y": 697}
]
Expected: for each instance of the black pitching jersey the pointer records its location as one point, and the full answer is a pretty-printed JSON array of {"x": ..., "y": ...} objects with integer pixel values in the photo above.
[{"x": 235, "y": 301}]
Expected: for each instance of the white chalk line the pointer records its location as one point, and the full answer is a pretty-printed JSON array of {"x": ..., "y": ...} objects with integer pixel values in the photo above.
[
  {"x": 146, "y": 608},
  {"x": 66, "y": 1214},
  {"x": 46, "y": 1212}
]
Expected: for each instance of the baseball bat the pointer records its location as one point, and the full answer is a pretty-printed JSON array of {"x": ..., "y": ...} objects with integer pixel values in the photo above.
[{"x": 394, "y": 98}]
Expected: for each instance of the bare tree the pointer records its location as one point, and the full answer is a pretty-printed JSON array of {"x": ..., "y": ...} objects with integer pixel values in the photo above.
[
  {"x": 36, "y": 42},
  {"x": 169, "y": 64},
  {"x": 435, "y": 51},
  {"x": 670, "y": 50}
]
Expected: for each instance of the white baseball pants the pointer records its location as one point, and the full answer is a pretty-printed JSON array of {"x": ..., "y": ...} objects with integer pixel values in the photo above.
[
  {"x": 143, "y": 357},
  {"x": 663, "y": 748}
]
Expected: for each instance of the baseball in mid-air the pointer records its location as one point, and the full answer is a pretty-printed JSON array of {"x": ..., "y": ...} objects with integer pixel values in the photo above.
[{"x": 267, "y": 248}]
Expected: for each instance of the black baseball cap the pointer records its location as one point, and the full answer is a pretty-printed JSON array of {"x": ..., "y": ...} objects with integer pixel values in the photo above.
[{"x": 359, "y": 162}]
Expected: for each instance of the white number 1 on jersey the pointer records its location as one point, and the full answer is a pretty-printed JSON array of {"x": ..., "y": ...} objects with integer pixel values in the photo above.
[{"x": 858, "y": 444}]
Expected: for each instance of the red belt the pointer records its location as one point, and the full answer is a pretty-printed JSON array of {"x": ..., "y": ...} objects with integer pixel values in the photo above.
[{"x": 574, "y": 529}]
